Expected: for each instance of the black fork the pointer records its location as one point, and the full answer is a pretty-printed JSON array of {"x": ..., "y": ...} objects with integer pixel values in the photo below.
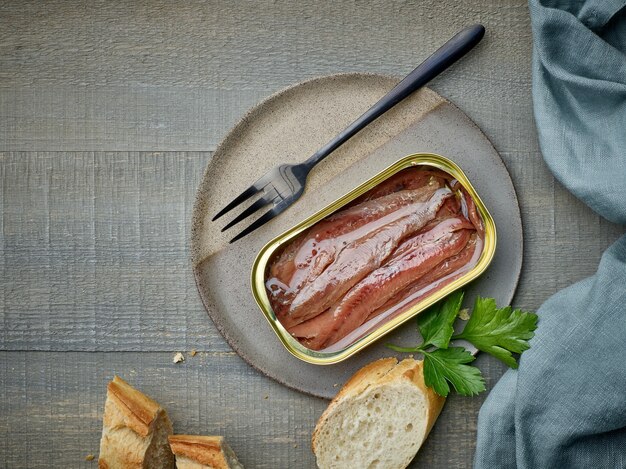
[{"x": 283, "y": 185}]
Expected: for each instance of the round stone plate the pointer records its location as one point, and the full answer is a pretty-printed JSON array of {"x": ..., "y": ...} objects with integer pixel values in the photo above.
[{"x": 288, "y": 127}]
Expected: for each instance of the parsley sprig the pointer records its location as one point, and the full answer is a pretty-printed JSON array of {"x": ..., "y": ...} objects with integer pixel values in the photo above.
[{"x": 500, "y": 332}]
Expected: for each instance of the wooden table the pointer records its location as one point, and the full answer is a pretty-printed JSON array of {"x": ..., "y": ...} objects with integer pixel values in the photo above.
[{"x": 109, "y": 112}]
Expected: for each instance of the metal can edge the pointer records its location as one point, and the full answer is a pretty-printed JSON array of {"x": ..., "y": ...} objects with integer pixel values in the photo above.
[{"x": 264, "y": 255}]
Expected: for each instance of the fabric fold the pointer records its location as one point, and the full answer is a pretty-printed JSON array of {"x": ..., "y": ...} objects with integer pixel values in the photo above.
[
  {"x": 566, "y": 404},
  {"x": 579, "y": 100}
]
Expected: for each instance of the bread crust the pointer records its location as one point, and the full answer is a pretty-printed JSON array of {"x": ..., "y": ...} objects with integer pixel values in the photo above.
[
  {"x": 365, "y": 377},
  {"x": 129, "y": 422},
  {"x": 380, "y": 372},
  {"x": 207, "y": 450},
  {"x": 139, "y": 410}
]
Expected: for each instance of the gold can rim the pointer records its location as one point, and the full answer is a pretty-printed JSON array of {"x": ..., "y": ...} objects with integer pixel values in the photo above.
[{"x": 328, "y": 358}]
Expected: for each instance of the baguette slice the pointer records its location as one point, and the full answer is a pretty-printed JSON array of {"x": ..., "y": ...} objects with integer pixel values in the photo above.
[
  {"x": 203, "y": 452},
  {"x": 135, "y": 430},
  {"x": 379, "y": 419}
]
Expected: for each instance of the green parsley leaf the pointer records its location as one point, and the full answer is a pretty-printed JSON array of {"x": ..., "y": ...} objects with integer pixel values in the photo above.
[
  {"x": 435, "y": 324},
  {"x": 443, "y": 366},
  {"x": 499, "y": 332}
]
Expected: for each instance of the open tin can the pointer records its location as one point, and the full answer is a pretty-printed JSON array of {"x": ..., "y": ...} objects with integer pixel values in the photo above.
[{"x": 410, "y": 236}]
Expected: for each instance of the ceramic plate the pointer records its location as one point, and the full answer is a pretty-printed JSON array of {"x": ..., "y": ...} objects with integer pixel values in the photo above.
[{"x": 288, "y": 127}]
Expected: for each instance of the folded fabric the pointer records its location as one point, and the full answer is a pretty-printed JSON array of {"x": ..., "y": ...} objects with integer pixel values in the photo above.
[
  {"x": 579, "y": 98},
  {"x": 565, "y": 407}
]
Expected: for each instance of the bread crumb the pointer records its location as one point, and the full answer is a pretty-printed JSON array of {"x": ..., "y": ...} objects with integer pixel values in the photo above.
[
  {"x": 179, "y": 357},
  {"x": 266, "y": 397},
  {"x": 464, "y": 314},
  {"x": 296, "y": 445},
  {"x": 90, "y": 457},
  {"x": 193, "y": 352}
]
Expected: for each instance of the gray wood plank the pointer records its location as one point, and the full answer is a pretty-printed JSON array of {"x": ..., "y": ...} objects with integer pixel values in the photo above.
[
  {"x": 98, "y": 101},
  {"x": 175, "y": 75},
  {"x": 95, "y": 249},
  {"x": 563, "y": 238},
  {"x": 235, "y": 45},
  {"x": 95, "y": 252},
  {"x": 118, "y": 118},
  {"x": 51, "y": 406}
]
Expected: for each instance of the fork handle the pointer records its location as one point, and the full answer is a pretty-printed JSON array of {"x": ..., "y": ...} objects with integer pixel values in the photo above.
[{"x": 445, "y": 56}]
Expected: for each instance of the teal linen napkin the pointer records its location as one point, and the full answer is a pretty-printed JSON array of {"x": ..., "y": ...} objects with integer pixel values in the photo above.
[{"x": 565, "y": 407}]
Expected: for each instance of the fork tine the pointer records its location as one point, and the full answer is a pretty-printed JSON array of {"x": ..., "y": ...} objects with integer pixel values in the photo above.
[
  {"x": 259, "y": 203},
  {"x": 245, "y": 195},
  {"x": 267, "y": 216}
]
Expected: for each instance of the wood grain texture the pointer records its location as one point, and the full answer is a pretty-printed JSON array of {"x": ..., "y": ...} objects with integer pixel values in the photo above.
[
  {"x": 102, "y": 105},
  {"x": 95, "y": 252},
  {"x": 95, "y": 249},
  {"x": 52, "y": 404},
  {"x": 175, "y": 75}
]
